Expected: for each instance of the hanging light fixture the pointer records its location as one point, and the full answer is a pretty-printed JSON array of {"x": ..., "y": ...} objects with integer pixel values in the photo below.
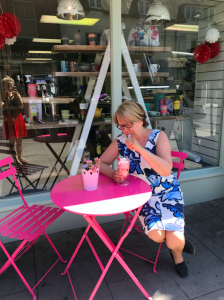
[
  {"x": 157, "y": 14},
  {"x": 70, "y": 10}
]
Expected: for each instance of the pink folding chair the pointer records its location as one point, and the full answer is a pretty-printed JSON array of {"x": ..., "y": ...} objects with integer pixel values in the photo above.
[
  {"x": 177, "y": 165},
  {"x": 25, "y": 224}
]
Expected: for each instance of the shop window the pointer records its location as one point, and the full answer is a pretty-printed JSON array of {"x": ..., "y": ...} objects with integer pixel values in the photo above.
[
  {"x": 95, "y": 3},
  {"x": 143, "y": 7},
  {"x": 193, "y": 13},
  {"x": 25, "y": 12}
]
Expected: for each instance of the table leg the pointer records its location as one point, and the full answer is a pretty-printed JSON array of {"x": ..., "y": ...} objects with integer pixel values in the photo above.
[
  {"x": 57, "y": 157},
  {"x": 115, "y": 254}
]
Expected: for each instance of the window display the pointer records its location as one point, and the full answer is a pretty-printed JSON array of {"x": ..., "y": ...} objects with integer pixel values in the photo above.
[{"x": 174, "y": 68}]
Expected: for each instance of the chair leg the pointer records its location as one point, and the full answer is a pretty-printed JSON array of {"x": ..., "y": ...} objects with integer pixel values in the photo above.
[
  {"x": 16, "y": 268},
  {"x": 53, "y": 246},
  {"x": 12, "y": 257},
  {"x": 157, "y": 256}
]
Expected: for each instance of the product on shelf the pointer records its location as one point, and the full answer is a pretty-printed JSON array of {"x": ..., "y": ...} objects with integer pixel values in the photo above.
[
  {"x": 176, "y": 105},
  {"x": 64, "y": 66},
  {"x": 82, "y": 104}
]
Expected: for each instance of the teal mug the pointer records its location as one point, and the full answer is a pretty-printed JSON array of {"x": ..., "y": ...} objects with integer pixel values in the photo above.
[
  {"x": 147, "y": 105},
  {"x": 157, "y": 97}
]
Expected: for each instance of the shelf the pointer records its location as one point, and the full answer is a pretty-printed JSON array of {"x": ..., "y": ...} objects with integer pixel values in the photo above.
[
  {"x": 54, "y": 100},
  {"x": 95, "y": 74},
  {"x": 167, "y": 118},
  {"x": 100, "y": 49},
  {"x": 71, "y": 123}
]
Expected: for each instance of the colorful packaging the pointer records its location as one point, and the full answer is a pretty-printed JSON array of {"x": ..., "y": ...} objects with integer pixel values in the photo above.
[
  {"x": 64, "y": 66},
  {"x": 169, "y": 103}
]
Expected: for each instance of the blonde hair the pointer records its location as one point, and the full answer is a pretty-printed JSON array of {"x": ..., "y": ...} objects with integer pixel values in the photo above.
[
  {"x": 7, "y": 79},
  {"x": 130, "y": 111}
]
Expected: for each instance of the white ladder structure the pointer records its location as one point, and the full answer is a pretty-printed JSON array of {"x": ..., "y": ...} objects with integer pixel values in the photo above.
[{"x": 95, "y": 98}]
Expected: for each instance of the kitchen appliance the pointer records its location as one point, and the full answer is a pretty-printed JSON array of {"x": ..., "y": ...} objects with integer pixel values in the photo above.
[{"x": 51, "y": 111}]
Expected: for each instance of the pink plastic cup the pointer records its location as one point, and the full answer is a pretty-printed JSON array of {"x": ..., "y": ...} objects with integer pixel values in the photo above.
[
  {"x": 32, "y": 89},
  {"x": 163, "y": 109}
]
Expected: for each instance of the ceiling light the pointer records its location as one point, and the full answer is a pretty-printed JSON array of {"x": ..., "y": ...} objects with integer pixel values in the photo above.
[
  {"x": 53, "y": 41},
  {"x": 38, "y": 58},
  {"x": 151, "y": 87},
  {"x": 43, "y": 52},
  {"x": 70, "y": 10},
  {"x": 182, "y": 27},
  {"x": 55, "y": 20},
  {"x": 157, "y": 14},
  {"x": 182, "y": 53}
]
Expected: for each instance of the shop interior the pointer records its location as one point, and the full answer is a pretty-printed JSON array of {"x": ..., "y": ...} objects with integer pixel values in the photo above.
[{"x": 55, "y": 66}]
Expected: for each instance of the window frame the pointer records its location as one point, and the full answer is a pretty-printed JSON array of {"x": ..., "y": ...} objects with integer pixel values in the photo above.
[
  {"x": 145, "y": 11},
  {"x": 95, "y": 4},
  {"x": 26, "y": 19}
]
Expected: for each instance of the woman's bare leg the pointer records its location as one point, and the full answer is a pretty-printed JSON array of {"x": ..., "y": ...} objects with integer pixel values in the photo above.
[
  {"x": 157, "y": 235},
  {"x": 175, "y": 240},
  {"x": 12, "y": 149},
  {"x": 19, "y": 148}
]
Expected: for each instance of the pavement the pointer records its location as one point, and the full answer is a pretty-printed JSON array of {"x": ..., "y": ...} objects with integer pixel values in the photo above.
[{"x": 204, "y": 228}]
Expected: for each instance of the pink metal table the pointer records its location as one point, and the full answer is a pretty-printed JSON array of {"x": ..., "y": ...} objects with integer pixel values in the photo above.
[{"x": 108, "y": 199}]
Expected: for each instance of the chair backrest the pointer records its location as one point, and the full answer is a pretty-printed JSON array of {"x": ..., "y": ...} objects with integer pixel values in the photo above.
[
  {"x": 179, "y": 165},
  {"x": 10, "y": 171}
]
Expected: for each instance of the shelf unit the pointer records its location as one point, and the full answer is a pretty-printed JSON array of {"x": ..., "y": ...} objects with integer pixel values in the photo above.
[
  {"x": 100, "y": 49},
  {"x": 96, "y": 74},
  {"x": 97, "y": 79}
]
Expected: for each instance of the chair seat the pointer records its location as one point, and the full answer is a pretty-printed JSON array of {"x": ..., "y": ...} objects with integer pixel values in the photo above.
[
  {"x": 28, "y": 169},
  {"x": 28, "y": 222}
]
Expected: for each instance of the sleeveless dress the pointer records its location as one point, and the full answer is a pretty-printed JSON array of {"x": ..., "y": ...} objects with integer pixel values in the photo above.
[
  {"x": 165, "y": 209},
  {"x": 13, "y": 126}
]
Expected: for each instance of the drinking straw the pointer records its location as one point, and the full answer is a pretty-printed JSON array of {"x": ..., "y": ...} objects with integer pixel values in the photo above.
[{"x": 126, "y": 146}]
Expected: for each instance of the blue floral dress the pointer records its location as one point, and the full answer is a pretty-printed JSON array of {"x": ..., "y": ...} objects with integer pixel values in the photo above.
[{"x": 165, "y": 209}]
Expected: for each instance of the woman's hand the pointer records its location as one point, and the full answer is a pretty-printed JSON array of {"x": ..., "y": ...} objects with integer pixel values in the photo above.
[
  {"x": 117, "y": 177},
  {"x": 133, "y": 144}
]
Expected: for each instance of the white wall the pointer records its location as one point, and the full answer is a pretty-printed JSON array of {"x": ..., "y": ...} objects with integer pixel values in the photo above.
[{"x": 208, "y": 101}]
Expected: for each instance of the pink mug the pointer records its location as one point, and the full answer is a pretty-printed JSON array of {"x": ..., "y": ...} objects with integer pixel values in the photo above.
[{"x": 163, "y": 109}]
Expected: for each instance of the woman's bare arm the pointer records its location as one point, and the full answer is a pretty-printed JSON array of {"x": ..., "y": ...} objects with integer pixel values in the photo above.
[
  {"x": 107, "y": 158},
  {"x": 162, "y": 161},
  {"x": 6, "y": 103}
]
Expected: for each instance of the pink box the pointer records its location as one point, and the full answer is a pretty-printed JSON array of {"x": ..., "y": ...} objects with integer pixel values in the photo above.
[
  {"x": 169, "y": 103},
  {"x": 161, "y": 102}
]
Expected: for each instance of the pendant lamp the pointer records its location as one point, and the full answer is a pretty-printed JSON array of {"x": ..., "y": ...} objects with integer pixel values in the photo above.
[
  {"x": 157, "y": 14},
  {"x": 70, "y": 10}
]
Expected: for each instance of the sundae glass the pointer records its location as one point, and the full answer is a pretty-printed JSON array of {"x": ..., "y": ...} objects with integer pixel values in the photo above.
[{"x": 123, "y": 168}]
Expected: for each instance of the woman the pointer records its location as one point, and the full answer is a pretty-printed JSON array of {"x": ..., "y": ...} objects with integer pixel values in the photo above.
[
  {"x": 149, "y": 151},
  {"x": 14, "y": 128}
]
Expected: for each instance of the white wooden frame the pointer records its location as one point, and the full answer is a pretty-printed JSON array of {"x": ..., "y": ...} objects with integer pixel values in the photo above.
[{"x": 97, "y": 92}]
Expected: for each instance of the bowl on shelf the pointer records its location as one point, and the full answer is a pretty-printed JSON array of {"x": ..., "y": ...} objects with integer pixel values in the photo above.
[
  {"x": 84, "y": 67},
  {"x": 153, "y": 113}
]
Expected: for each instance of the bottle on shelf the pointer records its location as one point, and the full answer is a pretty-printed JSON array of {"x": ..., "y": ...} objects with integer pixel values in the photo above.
[
  {"x": 98, "y": 145},
  {"x": 176, "y": 105},
  {"x": 82, "y": 104}
]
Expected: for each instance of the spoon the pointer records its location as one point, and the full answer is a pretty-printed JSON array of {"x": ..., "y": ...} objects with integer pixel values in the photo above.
[{"x": 126, "y": 146}]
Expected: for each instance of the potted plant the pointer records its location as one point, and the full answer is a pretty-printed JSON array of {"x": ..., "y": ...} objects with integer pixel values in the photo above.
[{"x": 90, "y": 174}]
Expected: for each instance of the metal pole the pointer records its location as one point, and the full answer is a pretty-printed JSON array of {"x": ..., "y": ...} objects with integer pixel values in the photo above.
[{"x": 115, "y": 64}]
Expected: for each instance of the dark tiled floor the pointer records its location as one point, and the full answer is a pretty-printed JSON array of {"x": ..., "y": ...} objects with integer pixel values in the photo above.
[{"x": 204, "y": 228}]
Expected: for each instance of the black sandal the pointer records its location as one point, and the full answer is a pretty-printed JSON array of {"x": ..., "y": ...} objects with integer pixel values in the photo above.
[
  {"x": 181, "y": 268},
  {"x": 189, "y": 248}
]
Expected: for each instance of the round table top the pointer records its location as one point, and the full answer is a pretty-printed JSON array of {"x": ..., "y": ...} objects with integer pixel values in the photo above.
[
  {"x": 59, "y": 138},
  {"x": 108, "y": 199}
]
